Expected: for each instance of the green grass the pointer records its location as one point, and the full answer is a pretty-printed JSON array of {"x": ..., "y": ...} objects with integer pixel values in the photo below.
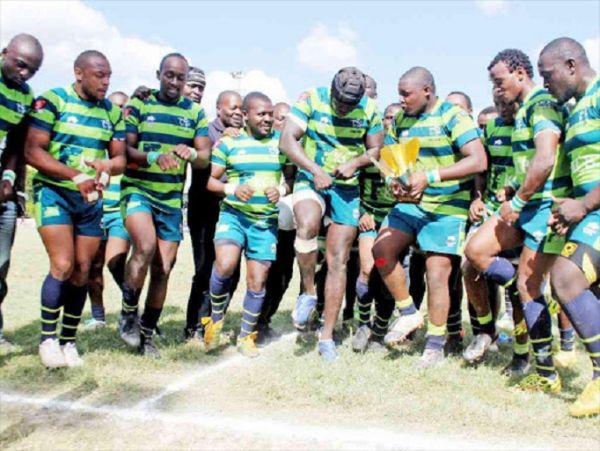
[{"x": 287, "y": 383}]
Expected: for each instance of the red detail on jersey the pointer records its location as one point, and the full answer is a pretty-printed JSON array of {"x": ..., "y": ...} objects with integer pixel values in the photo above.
[
  {"x": 380, "y": 262},
  {"x": 39, "y": 104}
]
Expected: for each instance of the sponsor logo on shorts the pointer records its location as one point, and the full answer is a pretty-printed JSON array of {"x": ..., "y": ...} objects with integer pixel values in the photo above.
[
  {"x": 273, "y": 248},
  {"x": 451, "y": 241},
  {"x": 355, "y": 213},
  {"x": 569, "y": 249},
  {"x": 538, "y": 236},
  {"x": 222, "y": 227},
  {"x": 133, "y": 204},
  {"x": 591, "y": 229},
  {"x": 51, "y": 212}
]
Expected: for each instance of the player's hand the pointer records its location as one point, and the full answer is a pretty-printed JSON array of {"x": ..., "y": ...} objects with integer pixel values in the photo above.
[
  {"x": 322, "y": 179},
  {"x": 417, "y": 184},
  {"x": 232, "y": 132},
  {"x": 103, "y": 170},
  {"x": 345, "y": 171},
  {"x": 399, "y": 190},
  {"x": 507, "y": 214},
  {"x": 570, "y": 211},
  {"x": 244, "y": 192},
  {"x": 366, "y": 222},
  {"x": 505, "y": 194},
  {"x": 272, "y": 193},
  {"x": 167, "y": 161},
  {"x": 142, "y": 92},
  {"x": 6, "y": 192},
  {"x": 477, "y": 210},
  {"x": 182, "y": 151},
  {"x": 88, "y": 187}
]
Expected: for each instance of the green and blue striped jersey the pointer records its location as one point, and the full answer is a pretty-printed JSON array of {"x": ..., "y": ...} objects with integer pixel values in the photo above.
[
  {"x": 540, "y": 112},
  {"x": 15, "y": 103},
  {"x": 253, "y": 162},
  {"x": 501, "y": 171},
  {"x": 441, "y": 133},
  {"x": 582, "y": 141},
  {"x": 111, "y": 196},
  {"x": 160, "y": 127},
  {"x": 80, "y": 130},
  {"x": 331, "y": 140},
  {"x": 375, "y": 196}
]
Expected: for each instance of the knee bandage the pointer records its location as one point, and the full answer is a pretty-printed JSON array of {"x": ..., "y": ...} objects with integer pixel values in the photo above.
[{"x": 306, "y": 246}]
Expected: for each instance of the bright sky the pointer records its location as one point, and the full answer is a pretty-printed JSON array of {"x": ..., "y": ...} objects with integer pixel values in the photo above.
[{"x": 284, "y": 48}]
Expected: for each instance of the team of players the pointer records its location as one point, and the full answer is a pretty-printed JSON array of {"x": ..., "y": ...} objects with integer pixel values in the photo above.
[{"x": 527, "y": 185}]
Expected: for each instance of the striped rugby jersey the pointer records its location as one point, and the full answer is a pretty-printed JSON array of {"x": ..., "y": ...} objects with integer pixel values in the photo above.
[
  {"x": 111, "y": 197},
  {"x": 441, "y": 132},
  {"x": 161, "y": 126},
  {"x": 80, "y": 130},
  {"x": 582, "y": 140},
  {"x": 15, "y": 103},
  {"x": 540, "y": 112},
  {"x": 253, "y": 162},
  {"x": 375, "y": 196},
  {"x": 501, "y": 171},
  {"x": 330, "y": 140}
]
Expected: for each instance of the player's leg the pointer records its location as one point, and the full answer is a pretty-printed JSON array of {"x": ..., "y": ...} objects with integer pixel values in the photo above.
[
  {"x": 96, "y": 289},
  {"x": 8, "y": 226},
  {"x": 364, "y": 297}
]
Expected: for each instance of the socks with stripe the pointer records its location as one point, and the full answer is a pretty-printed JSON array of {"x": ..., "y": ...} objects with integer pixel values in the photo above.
[
  {"x": 500, "y": 271},
  {"x": 253, "y": 302},
  {"x": 436, "y": 336},
  {"x": 567, "y": 339},
  {"x": 98, "y": 312},
  {"x": 363, "y": 304},
  {"x": 584, "y": 313},
  {"x": 539, "y": 325},
  {"x": 486, "y": 324},
  {"x": 131, "y": 298},
  {"x": 219, "y": 291},
  {"x": 406, "y": 306},
  {"x": 149, "y": 320},
  {"x": 52, "y": 301},
  {"x": 72, "y": 311}
]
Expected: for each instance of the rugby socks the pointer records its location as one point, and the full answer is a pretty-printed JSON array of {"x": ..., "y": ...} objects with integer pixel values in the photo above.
[
  {"x": 567, "y": 339},
  {"x": 436, "y": 336},
  {"x": 52, "y": 300},
  {"x": 253, "y": 302},
  {"x": 521, "y": 350},
  {"x": 584, "y": 313},
  {"x": 454, "y": 325},
  {"x": 219, "y": 290},
  {"x": 406, "y": 306},
  {"x": 72, "y": 311},
  {"x": 131, "y": 298},
  {"x": 149, "y": 321},
  {"x": 539, "y": 325},
  {"x": 363, "y": 304},
  {"x": 486, "y": 324},
  {"x": 500, "y": 271},
  {"x": 383, "y": 314},
  {"x": 98, "y": 312}
]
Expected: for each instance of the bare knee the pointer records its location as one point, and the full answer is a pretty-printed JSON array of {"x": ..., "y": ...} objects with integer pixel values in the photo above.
[{"x": 62, "y": 267}]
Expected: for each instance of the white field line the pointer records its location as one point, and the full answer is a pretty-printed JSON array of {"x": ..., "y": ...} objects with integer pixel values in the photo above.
[
  {"x": 330, "y": 436},
  {"x": 189, "y": 380}
]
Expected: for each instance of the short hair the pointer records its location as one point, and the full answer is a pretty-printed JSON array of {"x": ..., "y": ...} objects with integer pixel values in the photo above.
[
  {"x": 489, "y": 110},
  {"x": 421, "y": 74},
  {"x": 513, "y": 58},
  {"x": 465, "y": 96},
  {"x": 251, "y": 96},
  {"x": 392, "y": 105},
  {"x": 83, "y": 58},
  {"x": 226, "y": 93},
  {"x": 171, "y": 55},
  {"x": 566, "y": 48},
  {"x": 118, "y": 93}
]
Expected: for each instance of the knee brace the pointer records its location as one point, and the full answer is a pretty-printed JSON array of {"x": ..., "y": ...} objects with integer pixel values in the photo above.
[{"x": 303, "y": 246}]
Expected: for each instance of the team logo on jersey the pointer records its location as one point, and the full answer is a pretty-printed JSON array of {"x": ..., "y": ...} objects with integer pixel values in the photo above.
[
  {"x": 520, "y": 123},
  {"x": 404, "y": 133},
  {"x": 39, "y": 104},
  {"x": 591, "y": 229},
  {"x": 273, "y": 151},
  {"x": 21, "y": 108},
  {"x": 184, "y": 122},
  {"x": 72, "y": 120},
  {"x": 357, "y": 123},
  {"x": 325, "y": 120},
  {"x": 435, "y": 130},
  {"x": 150, "y": 118},
  {"x": 498, "y": 142},
  {"x": 106, "y": 124}
]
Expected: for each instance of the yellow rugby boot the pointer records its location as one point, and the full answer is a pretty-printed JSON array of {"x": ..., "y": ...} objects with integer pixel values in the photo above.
[
  {"x": 247, "y": 346},
  {"x": 212, "y": 334},
  {"x": 537, "y": 382},
  {"x": 588, "y": 403}
]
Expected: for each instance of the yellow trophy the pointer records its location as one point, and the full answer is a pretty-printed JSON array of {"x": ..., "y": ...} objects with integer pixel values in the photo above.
[{"x": 397, "y": 162}]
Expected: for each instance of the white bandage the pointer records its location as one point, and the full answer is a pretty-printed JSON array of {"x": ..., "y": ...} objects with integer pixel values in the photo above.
[
  {"x": 306, "y": 246},
  {"x": 310, "y": 195},
  {"x": 93, "y": 196},
  {"x": 230, "y": 189},
  {"x": 80, "y": 178},
  {"x": 193, "y": 154},
  {"x": 282, "y": 190},
  {"x": 104, "y": 179}
]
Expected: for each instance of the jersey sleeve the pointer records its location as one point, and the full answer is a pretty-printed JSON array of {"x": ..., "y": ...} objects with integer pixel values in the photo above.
[
  {"x": 546, "y": 115},
  {"x": 118, "y": 123},
  {"x": 302, "y": 110},
  {"x": 462, "y": 128},
  {"x": 132, "y": 115},
  {"x": 44, "y": 113},
  {"x": 201, "y": 129},
  {"x": 220, "y": 153},
  {"x": 375, "y": 123}
]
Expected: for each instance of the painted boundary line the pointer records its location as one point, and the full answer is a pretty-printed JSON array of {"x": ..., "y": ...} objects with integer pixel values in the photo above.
[{"x": 331, "y": 437}]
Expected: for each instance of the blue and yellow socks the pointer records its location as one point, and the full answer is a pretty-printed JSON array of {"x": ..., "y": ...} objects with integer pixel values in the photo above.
[
  {"x": 253, "y": 302},
  {"x": 52, "y": 301},
  {"x": 539, "y": 325},
  {"x": 74, "y": 301}
]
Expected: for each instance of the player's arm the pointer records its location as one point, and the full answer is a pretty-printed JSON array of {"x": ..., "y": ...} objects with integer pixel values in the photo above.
[
  {"x": 11, "y": 157},
  {"x": 546, "y": 145},
  {"x": 198, "y": 156},
  {"x": 289, "y": 144},
  {"x": 215, "y": 185},
  {"x": 567, "y": 212},
  {"x": 136, "y": 158},
  {"x": 373, "y": 144}
]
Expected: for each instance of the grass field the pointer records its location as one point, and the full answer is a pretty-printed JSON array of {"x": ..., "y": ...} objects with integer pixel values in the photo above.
[{"x": 285, "y": 399}]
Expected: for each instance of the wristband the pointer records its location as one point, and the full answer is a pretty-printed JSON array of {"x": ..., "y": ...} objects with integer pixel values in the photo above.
[
  {"x": 80, "y": 178},
  {"x": 152, "y": 157},
  {"x": 433, "y": 176},
  {"x": 282, "y": 190},
  {"x": 517, "y": 204},
  {"x": 230, "y": 189},
  {"x": 10, "y": 176},
  {"x": 193, "y": 154}
]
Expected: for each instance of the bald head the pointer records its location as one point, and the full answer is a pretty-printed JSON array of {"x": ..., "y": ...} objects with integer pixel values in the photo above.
[
  {"x": 229, "y": 109},
  {"x": 421, "y": 76},
  {"x": 21, "y": 59},
  {"x": 563, "y": 49},
  {"x": 225, "y": 96}
]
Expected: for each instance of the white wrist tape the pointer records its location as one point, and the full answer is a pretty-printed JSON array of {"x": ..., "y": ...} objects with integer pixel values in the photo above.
[
  {"x": 193, "y": 154},
  {"x": 93, "y": 196},
  {"x": 230, "y": 189},
  {"x": 80, "y": 178},
  {"x": 282, "y": 190},
  {"x": 104, "y": 179}
]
